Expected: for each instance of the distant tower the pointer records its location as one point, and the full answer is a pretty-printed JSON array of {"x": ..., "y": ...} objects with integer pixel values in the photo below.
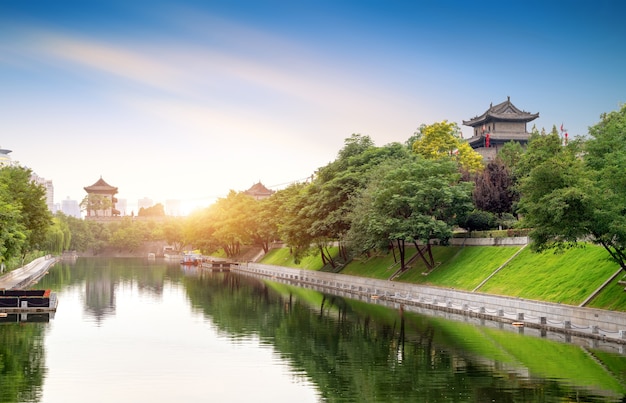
[
  {"x": 259, "y": 191},
  {"x": 498, "y": 125},
  {"x": 102, "y": 200}
]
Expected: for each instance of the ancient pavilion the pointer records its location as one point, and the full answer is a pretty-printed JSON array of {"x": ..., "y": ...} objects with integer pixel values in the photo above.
[
  {"x": 498, "y": 125},
  {"x": 259, "y": 191},
  {"x": 101, "y": 200}
]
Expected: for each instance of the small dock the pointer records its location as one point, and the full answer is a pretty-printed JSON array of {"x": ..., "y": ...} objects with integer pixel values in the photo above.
[
  {"x": 216, "y": 265},
  {"x": 27, "y": 301},
  {"x": 18, "y": 304}
]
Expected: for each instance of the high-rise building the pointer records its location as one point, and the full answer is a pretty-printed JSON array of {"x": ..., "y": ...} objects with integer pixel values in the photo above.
[
  {"x": 145, "y": 203},
  {"x": 70, "y": 208},
  {"x": 49, "y": 187},
  {"x": 173, "y": 208},
  {"x": 122, "y": 206}
]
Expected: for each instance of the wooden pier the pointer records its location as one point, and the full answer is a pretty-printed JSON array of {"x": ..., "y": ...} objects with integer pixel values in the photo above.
[{"x": 27, "y": 302}]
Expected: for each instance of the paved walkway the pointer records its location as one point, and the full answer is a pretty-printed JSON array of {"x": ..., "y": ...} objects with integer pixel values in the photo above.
[{"x": 28, "y": 274}]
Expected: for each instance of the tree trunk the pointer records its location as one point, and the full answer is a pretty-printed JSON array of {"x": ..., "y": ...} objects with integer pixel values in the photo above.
[
  {"x": 428, "y": 262},
  {"x": 401, "y": 252}
]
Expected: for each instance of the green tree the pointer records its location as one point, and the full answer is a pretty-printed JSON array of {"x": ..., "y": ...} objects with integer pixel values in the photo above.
[
  {"x": 174, "y": 233},
  {"x": 12, "y": 230},
  {"x": 96, "y": 204},
  {"x": 59, "y": 235},
  {"x": 579, "y": 192},
  {"x": 126, "y": 235},
  {"x": 154, "y": 211},
  {"x": 263, "y": 219},
  {"x": 23, "y": 195},
  {"x": 412, "y": 200},
  {"x": 443, "y": 140}
]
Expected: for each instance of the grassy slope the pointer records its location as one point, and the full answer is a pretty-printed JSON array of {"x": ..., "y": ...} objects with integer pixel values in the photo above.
[
  {"x": 464, "y": 269},
  {"x": 568, "y": 277},
  {"x": 283, "y": 257}
]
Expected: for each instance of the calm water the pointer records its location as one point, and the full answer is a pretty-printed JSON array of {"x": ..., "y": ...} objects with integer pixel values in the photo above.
[{"x": 129, "y": 330}]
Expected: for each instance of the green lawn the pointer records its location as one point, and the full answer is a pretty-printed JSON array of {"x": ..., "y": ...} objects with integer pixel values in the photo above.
[
  {"x": 567, "y": 277},
  {"x": 613, "y": 297},
  {"x": 283, "y": 257},
  {"x": 461, "y": 268},
  {"x": 380, "y": 266}
]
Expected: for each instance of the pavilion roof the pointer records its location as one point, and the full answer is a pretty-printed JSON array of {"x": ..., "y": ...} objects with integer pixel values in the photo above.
[
  {"x": 258, "y": 189},
  {"x": 100, "y": 187},
  {"x": 504, "y": 111}
]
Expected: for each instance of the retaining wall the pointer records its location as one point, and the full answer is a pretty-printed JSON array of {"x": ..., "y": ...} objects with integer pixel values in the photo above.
[{"x": 567, "y": 318}]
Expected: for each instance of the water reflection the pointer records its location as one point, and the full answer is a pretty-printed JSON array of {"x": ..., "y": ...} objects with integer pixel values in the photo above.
[{"x": 194, "y": 327}]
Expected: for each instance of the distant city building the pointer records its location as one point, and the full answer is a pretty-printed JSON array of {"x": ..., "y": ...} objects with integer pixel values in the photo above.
[
  {"x": 70, "y": 208},
  {"x": 122, "y": 206},
  {"x": 49, "y": 188},
  {"x": 102, "y": 200},
  {"x": 5, "y": 158},
  {"x": 145, "y": 203},
  {"x": 259, "y": 191},
  {"x": 173, "y": 208},
  {"x": 498, "y": 125}
]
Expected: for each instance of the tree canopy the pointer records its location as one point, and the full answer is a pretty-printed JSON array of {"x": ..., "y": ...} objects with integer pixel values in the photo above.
[
  {"x": 443, "y": 140},
  {"x": 577, "y": 191},
  {"x": 24, "y": 215}
]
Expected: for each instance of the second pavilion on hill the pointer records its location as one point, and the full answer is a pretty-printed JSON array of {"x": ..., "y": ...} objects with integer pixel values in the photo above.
[{"x": 498, "y": 125}]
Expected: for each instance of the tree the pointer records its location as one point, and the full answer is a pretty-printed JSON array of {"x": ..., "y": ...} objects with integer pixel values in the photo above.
[
  {"x": 174, "y": 233},
  {"x": 331, "y": 196},
  {"x": 96, "y": 203},
  {"x": 154, "y": 211},
  {"x": 59, "y": 235},
  {"x": 27, "y": 198},
  {"x": 442, "y": 140},
  {"x": 413, "y": 200},
  {"x": 478, "y": 220},
  {"x": 12, "y": 230},
  {"x": 493, "y": 190},
  {"x": 263, "y": 222},
  {"x": 579, "y": 192}
]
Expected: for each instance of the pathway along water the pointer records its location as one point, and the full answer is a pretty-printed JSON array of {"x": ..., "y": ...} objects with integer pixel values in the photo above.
[{"x": 28, "y": 274}]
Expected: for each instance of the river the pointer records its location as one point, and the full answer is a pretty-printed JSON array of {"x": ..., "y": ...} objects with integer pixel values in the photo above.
[{"x": 134, "y": 330}]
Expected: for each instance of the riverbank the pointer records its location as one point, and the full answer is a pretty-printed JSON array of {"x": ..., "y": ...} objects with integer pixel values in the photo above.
[{"x": 571, "y": 321}]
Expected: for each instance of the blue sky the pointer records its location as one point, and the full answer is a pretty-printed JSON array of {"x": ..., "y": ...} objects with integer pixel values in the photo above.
[{"x": 186, "y": 100}]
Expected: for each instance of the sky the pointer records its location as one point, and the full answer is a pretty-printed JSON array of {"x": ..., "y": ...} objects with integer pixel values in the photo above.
[{"x": 188, "y": 100}]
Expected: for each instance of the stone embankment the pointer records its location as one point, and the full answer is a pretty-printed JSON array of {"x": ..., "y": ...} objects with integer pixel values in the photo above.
[{"x": 563, "y": 319}]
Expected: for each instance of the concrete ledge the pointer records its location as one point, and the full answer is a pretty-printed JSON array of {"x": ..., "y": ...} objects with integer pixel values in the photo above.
[{"x": 567, "y": 319}]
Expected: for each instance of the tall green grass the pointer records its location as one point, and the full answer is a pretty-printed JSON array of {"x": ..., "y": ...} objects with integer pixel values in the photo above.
[
  {"x": 461, "y": 268},
  {"x": 283, "y": 257},
  {"x": 380, "y": 266},
  {"x": 568, "y": 277}
]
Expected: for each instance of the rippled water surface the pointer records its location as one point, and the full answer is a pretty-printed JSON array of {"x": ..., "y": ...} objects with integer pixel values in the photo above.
[{"x": 131, "y": 330}]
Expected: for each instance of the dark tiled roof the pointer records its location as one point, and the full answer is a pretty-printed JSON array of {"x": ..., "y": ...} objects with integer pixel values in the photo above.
[
  {"x": 504, "y": 111},
  {"x": 258, "y": 189},
  {"x": 100, "y": 186}
]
